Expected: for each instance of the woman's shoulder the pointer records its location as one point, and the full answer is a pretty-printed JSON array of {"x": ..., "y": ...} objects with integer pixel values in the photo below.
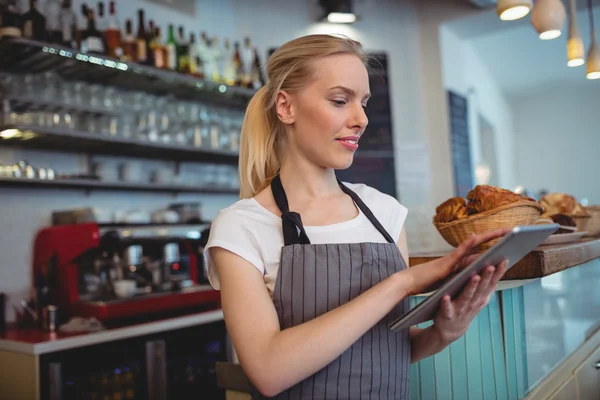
[
  {"x": 373, "y": 197},
  {"x": 244, "y": 213},
  {"x": 387, "y": 209}
]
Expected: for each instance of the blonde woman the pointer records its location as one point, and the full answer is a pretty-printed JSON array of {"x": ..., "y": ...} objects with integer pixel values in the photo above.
[{"x": 312, "y": 270}]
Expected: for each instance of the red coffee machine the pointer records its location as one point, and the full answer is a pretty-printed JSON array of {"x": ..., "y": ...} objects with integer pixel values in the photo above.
[{"x": 121, "y": 272}]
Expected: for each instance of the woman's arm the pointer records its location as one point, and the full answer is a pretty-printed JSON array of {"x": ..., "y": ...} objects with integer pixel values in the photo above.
[{"x": 275, "y": 360}]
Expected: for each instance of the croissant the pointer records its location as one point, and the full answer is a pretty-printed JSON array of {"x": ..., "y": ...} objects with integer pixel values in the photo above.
[
  {"x": 561, "y": 203},
  {"x": 484, "y": 198},
  {"x": 451, "y": 210}
]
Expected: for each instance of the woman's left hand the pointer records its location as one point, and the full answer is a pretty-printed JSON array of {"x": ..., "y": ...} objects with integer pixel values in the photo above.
[{"x": 455, "y": 316}]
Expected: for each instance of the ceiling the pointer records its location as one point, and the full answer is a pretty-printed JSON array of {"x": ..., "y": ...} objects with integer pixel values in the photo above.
[{"x": 514, "y": 54}]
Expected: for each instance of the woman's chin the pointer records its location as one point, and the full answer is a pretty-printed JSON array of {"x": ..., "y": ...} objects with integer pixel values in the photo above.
[{"x": 343, "y": 163}]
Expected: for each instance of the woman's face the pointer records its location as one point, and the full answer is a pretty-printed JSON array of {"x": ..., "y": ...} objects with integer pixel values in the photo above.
[{"x": 328, "y": 115}]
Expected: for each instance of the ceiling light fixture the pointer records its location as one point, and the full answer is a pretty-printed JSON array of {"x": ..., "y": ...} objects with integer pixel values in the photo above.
[
  {"x": 548, "y": 18},
  {"x": 510, "y": 10},
  {"x": 338, "y": 11},
  {"x": 575, "y": 49},
  {"x": 593, "y": 55}
]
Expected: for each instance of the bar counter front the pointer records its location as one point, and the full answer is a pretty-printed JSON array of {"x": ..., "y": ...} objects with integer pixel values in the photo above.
[{"x": 537, "y": 339}]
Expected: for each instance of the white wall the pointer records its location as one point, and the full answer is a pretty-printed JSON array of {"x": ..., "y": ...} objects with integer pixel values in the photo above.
[
  {"x": 558, "y": 129},
  {"x": 407, "y": 31},
  {"x": 466, "y": 74}
]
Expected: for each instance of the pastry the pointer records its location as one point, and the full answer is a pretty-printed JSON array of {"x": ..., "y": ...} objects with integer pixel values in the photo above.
[
  {"x": 561, "y": 203},
  {"x": 451, "y": 210},
  {"x": 484, "y": 198},
  {"x": 564, "y": 221}
]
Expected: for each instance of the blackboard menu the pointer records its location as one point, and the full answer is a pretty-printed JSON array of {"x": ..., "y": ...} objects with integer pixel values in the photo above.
[
  {"x": 459, "y": 139},
  {"x": 374, "y": 161}
]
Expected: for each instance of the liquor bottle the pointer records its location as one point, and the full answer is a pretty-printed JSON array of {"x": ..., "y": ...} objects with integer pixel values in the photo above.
[
  {"x": 113, "y": 33},
  {"x": 82, "y": 23},
  {"x": 238, "y": 65},
  {"x": 202, "y": 52},
  {"x": 172, "y": 56},
  {"x": 10, "y": 22},
  {"x": 129, "y": 43},
  {"x": 142, "y": 55},
  {"x": 247, "y": 62},
  {"x": 34, "y": 23},
  {"x": 258, "y": 78},
  {"x": 53, "y": 26},
  {"x": 68, "y": 22},
  {"x": 159, "y": 51},
  {"x": 149, "y": 39},
  {"x": 226, "y": 64},
  {"x": 92, "y": 40},
  {"x": 193, "y": 54},
  {"x": 183, "y": 53}
]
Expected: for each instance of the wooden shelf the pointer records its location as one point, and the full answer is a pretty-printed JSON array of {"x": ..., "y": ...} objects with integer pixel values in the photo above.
[
  {"x": 108, "y": 186},
  {"x": 29, "y": 56},
  {"x": 543, "y": 261},
  {"x": 77, "y": 142}
]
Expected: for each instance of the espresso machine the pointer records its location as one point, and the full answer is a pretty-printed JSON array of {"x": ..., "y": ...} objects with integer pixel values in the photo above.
[{"x": 122, "y": 272}]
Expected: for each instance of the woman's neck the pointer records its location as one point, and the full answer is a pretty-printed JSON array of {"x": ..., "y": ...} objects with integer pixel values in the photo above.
[{"x": 304, "y": 180}]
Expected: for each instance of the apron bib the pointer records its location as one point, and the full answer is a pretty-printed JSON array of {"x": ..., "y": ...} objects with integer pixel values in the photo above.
[{"x": 316, "y": 278}]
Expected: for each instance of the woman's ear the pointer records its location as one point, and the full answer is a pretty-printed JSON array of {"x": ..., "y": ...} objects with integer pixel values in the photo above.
[{"x": 283, "y": 106}]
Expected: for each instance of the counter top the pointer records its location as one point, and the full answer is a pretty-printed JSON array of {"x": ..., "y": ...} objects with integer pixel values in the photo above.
[
  {"x": 543, "y": 261},
  {"x": 36, "y": 342}
]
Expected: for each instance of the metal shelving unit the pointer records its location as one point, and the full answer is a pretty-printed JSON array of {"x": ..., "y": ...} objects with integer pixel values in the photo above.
[
  {"x": 20, "y": 55},
  {"x": 108, "y": 186},
  {"x": 81, "y": 142}
]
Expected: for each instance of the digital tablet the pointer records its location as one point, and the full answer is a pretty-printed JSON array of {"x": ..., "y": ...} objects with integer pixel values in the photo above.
[{"x": 515, "y": 245}]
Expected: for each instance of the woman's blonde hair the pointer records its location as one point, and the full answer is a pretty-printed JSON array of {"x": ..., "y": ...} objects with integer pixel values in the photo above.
[{"x": 289, "y": 68}]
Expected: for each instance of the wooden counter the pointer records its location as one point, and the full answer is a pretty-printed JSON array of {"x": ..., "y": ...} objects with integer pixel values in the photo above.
[{"x": 543, "y": 261}]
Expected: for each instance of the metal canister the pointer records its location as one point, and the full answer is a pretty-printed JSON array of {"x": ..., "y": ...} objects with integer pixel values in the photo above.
[
  {"x": 171, "y": 253},
  {"x": 50, "y": 318}
]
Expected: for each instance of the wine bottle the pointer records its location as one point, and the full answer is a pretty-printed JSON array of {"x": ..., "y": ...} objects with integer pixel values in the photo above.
[
  {"x": 34, "y": 23},
  {"x": 129, "y": 43},
  {"x": 53, "y": 25},
  {"x": 193, "y": 54},
  {"x": 183, "y": 53},
  {"x": 159, "y": 51},
  {"x": 68, "y": 22},
  {"x": 10, "y": 22},
  {"x": 101, "y": 21},
  {"x": 113, "y": 33},
  {"x": 92, "y": 40},
  {"x": 142, "y": 55},
  {"x": 172, "y": 56}
]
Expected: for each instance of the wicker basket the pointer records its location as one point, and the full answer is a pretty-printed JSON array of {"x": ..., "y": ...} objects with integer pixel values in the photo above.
[
  {"x": 593, "y": 223},
  {"x": 508, "y": 216},
  {"x": 582, "y": 222}
]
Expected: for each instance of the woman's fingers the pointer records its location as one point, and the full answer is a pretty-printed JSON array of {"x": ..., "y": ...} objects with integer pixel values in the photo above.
[
  {"x": 463, "y": 302},
  {"x": 480, "y": 296},
  {"x": 447, "y": 307},
  {"x": 498, "y": 274}
]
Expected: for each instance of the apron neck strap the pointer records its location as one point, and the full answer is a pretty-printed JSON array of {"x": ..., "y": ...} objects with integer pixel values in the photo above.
[
  {"x": 367, "y": 211},
  {"x": 293, "y": 229}
]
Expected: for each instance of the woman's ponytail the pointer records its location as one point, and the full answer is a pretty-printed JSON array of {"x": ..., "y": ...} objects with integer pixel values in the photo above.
[{"x": 260, "y": 145}]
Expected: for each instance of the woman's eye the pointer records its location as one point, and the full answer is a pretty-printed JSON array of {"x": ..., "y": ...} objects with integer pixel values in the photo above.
[{"x": 339, "y": 103}]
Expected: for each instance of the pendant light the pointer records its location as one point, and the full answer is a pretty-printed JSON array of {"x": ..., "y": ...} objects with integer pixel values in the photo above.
[
  {"x": 548, "y": 18},
  {"x": 510, "y": 10},
  {"x": 575, "y": 49},
  {"x": 593, "y": 56}
]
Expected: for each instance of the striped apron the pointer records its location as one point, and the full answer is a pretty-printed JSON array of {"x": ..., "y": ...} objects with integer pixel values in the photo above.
[{"x": 316, "y": 278}]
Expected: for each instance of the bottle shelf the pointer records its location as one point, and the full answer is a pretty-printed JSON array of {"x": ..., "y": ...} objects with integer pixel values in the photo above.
[
  {"x": 108, "y": 186},
  {"x": 41, "y": 138},
  {"x": 21, "y": 55}
]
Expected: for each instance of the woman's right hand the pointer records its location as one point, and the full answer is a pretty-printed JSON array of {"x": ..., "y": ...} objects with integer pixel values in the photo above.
[{"x": 428, "y": 276}]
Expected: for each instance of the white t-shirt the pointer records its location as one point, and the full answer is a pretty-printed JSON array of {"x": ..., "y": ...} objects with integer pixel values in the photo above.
[{"x": 254, "y": 233}]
